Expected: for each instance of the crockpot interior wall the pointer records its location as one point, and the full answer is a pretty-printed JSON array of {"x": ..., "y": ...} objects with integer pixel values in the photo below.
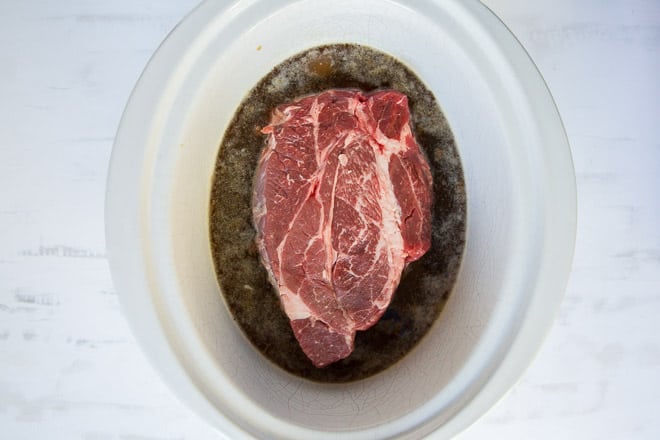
[{"x": 431, "y": 367}]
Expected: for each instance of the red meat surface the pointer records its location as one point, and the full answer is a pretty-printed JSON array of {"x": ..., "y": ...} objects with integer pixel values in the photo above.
[{"x": 341, "y": 204}]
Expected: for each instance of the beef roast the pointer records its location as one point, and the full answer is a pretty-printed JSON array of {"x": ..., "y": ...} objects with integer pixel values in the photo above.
[{"x": 342, "y": 203}]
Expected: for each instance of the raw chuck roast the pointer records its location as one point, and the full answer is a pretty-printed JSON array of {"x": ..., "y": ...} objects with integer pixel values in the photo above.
[{"x": 341, "y": 204}]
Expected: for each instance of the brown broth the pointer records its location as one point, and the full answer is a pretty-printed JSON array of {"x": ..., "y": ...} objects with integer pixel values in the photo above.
[{"x": 425, "y": 285}]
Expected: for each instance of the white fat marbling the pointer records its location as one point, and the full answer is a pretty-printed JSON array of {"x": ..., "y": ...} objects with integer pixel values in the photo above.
[{"x": 69, "y": 366}]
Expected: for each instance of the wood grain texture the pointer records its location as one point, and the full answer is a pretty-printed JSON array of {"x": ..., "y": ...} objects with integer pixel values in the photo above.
[{"x": 69, "y": 366}]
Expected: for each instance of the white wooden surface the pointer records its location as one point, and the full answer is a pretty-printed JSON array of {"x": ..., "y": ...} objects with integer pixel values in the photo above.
[{"x": 69, "y": 366}]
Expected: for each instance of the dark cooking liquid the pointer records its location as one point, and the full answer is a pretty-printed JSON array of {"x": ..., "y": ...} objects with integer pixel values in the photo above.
[{"x": 425, "y": 284}]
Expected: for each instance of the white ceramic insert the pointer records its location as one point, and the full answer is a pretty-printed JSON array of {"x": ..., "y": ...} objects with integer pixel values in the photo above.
[{"x": 520, "y": 235}]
